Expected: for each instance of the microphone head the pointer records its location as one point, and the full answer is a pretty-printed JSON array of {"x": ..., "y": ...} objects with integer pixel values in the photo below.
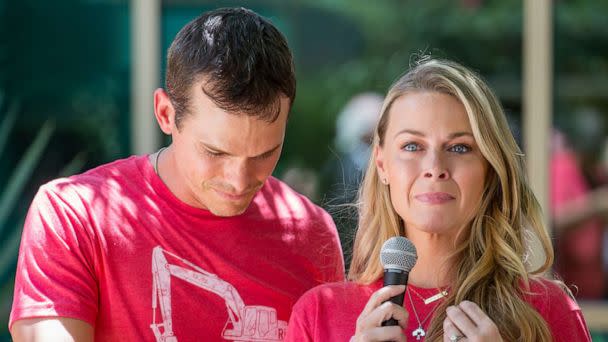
[{"x": 398, "y": 253}]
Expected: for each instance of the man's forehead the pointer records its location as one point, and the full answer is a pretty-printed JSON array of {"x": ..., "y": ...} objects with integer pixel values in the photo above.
[{"x": 239, "y": 135}]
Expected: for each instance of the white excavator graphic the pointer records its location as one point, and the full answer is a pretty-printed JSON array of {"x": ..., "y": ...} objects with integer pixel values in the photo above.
[{"x": 245, "y": 322}]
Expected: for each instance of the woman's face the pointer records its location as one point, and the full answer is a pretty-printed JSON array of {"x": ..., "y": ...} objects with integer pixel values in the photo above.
[{"x": 435, "y": 171}]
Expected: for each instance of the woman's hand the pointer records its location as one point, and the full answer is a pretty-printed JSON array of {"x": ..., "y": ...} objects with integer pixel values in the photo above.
[
  {"x": 466, "y": 322},
  {"x": 377, "y": 310}
]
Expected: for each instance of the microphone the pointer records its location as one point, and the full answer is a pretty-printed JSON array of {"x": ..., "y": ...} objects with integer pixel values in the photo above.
[{"x": 398, "y": 257}]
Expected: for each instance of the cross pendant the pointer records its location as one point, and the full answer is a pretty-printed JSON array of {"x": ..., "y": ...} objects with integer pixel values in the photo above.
[{"x": 418, "y": 333}]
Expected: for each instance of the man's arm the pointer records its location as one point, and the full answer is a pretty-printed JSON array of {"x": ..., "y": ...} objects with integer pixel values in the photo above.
[
  {"x": 52, "y": 329},
  {"x": 56, "y": 276}
]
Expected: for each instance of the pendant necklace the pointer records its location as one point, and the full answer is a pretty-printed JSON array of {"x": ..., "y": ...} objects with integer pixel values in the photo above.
[
  {"x": 432, "y": 298},
  {"x": 419, "y": 333}
]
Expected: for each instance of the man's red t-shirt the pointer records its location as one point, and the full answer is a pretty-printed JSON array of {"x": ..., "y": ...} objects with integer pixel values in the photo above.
[{"x": 115, "y": 248}]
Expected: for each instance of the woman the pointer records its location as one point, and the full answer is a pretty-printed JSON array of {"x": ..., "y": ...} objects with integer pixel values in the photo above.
[{"x": 447, "y": 174}]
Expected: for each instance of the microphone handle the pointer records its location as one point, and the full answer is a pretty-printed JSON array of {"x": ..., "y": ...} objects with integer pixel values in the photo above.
[{"x": 395, "y": 277}]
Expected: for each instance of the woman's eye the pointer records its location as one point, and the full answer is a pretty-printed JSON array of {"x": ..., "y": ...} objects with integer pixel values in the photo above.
[
  {"x": 411, "y": 147},
  {"x": 460, "y": 148}
]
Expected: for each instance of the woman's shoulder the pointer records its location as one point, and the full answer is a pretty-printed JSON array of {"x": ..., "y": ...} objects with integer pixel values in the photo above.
[
  {"x": 338, "y": 293},
  {"x": 555, "y": 303},
  {"x": 329, "y": 311},
  {"x": 341, "y": 288},
  {"x": 547, "y": 294}
]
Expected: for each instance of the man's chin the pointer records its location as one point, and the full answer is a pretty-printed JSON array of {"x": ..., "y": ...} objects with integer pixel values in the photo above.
[
  {"x": 228, "y": 211},
  {"x": 219, "y": 205}
]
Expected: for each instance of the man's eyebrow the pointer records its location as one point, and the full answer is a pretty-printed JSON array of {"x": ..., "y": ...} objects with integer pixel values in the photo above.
[{"x": 219, "y": 150}]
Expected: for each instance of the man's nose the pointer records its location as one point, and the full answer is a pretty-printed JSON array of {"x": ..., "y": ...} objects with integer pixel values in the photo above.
[{"x": 239, "y": 178}]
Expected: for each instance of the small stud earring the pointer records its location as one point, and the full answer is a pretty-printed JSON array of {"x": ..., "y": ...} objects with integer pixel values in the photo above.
[{"x": 384, "y": 181}]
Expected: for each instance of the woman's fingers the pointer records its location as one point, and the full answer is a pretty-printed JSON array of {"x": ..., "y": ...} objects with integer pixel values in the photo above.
[
  {"x": 486, "y": 328},
  {"x": 451, "y": 332},
  {"x": 461, "y": 320},
  {"x": 381, "y": 296},
  {"x": 393, "y": 333},
  {"x": 469, "y": 321},
  {"x": 385, "y": 312},
  {"x": 474, "y": 312},
  {"x": 379, "y": 309}
]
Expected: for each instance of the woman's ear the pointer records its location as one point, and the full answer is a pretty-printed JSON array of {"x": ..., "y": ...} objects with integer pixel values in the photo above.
[{"x": 380, "y": 166}]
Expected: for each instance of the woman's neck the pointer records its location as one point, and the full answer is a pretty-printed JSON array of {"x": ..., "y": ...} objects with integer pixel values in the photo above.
[{"x": 432, "y": 269}]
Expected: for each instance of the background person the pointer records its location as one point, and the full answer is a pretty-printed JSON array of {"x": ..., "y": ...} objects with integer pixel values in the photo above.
[{"x": 343, "y": 172}]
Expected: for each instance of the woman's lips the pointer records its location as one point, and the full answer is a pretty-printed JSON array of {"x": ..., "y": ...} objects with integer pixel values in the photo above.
[{"x": 434, "y": 197}]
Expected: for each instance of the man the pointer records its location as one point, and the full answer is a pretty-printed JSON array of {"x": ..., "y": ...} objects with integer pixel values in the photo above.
[{"x": 194, "y": 242}]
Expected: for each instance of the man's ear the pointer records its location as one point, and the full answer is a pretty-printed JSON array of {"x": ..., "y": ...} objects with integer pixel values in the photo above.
[
  {"x": 164, "y": 111},
  {"x": 380, "y": 165}
]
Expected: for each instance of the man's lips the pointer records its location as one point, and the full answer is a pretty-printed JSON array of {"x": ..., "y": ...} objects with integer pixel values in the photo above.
[
  {"x": 231, "y": 196},
  {"x": 434, "y": 197}
]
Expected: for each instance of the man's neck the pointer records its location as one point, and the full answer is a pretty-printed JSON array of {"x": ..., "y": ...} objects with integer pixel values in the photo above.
[
  {"x": 153, "y": 158},
  {"x": 164, "y": 167}
]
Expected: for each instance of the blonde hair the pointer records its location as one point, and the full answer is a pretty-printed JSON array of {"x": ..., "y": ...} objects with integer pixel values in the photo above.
[{"x": 491, "y": 260}]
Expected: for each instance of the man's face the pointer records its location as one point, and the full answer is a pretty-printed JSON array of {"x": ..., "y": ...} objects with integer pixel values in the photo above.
[{"x": 220, "y": 159}]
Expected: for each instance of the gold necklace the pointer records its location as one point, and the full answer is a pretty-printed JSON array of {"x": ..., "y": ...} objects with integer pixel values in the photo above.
[
  {"x": 419, "y": 332},
  {"x": 427, "y": 301}
]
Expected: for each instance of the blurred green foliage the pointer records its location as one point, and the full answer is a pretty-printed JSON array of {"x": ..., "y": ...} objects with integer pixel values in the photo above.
[
  {"x": 385, "y": 37},
  {"x": 13, "y": 194},
  {"x": 69, "y": 59}
]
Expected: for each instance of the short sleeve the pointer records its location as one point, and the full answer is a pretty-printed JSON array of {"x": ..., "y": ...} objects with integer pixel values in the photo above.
[
  {"x": 571, "y": 328},
  {"x": 55, "y": 270},
  {"x": 300, "y": 328},
  {"x": 560, "y": 311},
  {"x": 328, "y": 312}
]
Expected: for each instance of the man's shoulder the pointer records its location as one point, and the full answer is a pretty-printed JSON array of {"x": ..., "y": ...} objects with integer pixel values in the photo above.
[
  {"x": 118, "y": 167},
  {"x": 285, "y": 201},
  {"x": 276, "y": 186},
  {"x": 99, "y": 177}
]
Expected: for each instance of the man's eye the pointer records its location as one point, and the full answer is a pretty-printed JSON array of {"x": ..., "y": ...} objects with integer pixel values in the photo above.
[
  {"x": 213, "y": 154},
  {"x": 460, "y": 148},
  {"x": 265, "y": 155}
]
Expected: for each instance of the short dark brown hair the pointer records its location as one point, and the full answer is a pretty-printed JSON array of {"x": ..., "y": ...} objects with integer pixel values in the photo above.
[{"x": 244, "y": 60}]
